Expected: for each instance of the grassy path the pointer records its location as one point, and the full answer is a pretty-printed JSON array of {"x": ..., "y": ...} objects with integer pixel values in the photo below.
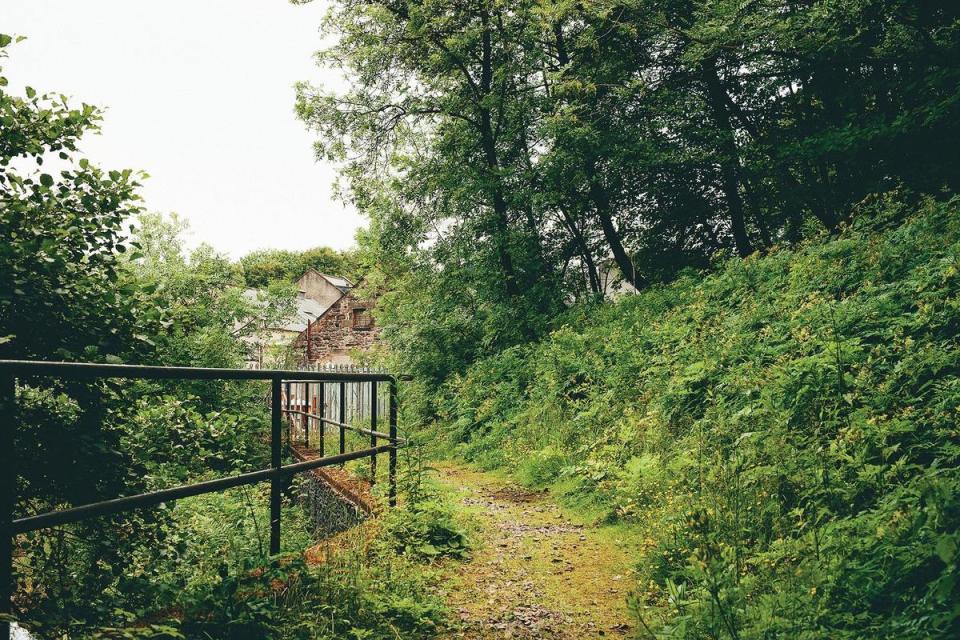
[{"x": 536, "y": 572}]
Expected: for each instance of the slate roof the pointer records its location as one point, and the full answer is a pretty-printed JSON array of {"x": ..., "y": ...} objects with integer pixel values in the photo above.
[{"x": 307, "y": 310}]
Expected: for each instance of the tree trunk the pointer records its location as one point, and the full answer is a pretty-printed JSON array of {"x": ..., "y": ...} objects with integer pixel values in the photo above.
[
  {"x": 599, "y": 196},
  {"x": 593, "y": 275},
  {"x": 601, "y": 202},
  {"x": 501, "y": 219},
  {"x": 730, "y": 157}
]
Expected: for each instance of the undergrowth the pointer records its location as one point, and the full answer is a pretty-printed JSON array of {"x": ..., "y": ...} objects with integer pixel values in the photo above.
[
  {"x": 200, "y": 567},
  {"x": 784, "y": 428}
]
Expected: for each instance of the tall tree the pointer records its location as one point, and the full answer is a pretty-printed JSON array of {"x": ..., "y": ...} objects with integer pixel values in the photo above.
[
  {"x": 516, "y": 153},
  {"x": 442, "y": 97}
]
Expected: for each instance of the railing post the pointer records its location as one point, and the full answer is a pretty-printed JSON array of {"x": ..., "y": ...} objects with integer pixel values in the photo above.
[
  {"x": 306, "y": 418},
  {"x": 276, "y": 461},
  {"x": 287, "y": 416},
  {"x": 8, "y": 487},
  {"x": 321, "y": 407},
  {"x": 343, "y": 417},
  {"x": 373, "y": 427},
  {"x": 392, "y": 496}
]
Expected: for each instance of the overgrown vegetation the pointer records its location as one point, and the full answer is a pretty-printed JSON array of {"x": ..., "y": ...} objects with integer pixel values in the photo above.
[
  {"x": 85, "y": 275},
  {"x": 776, "y": 408},
  {"x": 785, "y": 430},
  {"x": 514, "y": 157},
  {"x": 783, "y": 422}
]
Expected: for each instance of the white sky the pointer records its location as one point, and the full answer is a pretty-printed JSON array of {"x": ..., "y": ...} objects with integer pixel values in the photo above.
[{"x": 199, "y": 94}]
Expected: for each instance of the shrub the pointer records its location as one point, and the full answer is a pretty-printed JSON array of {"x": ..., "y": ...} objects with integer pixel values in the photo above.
[{"x": 425, "y": 530}]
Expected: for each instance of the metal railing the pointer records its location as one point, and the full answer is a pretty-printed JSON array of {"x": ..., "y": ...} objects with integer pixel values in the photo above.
[
  {"x": 277, "y": 473},
  {"x": 301, "y": 393}
]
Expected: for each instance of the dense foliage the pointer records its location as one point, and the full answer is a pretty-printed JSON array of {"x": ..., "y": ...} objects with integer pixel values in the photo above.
[
  {"x": 62, "y": 234},
  {"x": 86, "y": 276},
  {"x": 513, "y": 155},
  {"x": 785, "y": 429},
  {"x": 267, "y": 266},
  {"x": 777, "y": 408},
  {"x": 778, "y": 405},
  {"x": 61, "y": 298}
]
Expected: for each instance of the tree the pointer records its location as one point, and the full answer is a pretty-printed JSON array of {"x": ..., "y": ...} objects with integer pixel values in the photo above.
[
  {"x": 437, "y": 122},
  {"x": 509, "y": 154},
  {"x": 63, "y": 232},
  {"x": 61, "y": 299},
  {"x": 209, "y": 317},
  {"x": 260, "y": 268}
]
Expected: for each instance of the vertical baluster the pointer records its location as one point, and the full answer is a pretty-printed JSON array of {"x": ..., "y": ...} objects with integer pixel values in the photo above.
[
  {"x": 343, "y": 417},
  {"x": 373, "y": 427},
  {"x": 321, "y": 425},
  {"x": 306, "y": 418},
  {"x": 276, "y": 461},
  {"x": 289, "y": 404},
  {"x": 392, "y": 471}
]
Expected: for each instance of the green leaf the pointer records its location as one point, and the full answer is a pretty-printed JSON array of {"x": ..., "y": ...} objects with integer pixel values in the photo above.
[
  {"x": 46, "y": 180},
  {"x": 946, "y": 548}
]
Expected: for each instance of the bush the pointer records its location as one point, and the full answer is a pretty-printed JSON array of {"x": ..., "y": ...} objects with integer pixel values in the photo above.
[
  {"x": 425, "y": 530},
  {"x": 542, "y": 467},
  {"x": 176, "y": 441}
]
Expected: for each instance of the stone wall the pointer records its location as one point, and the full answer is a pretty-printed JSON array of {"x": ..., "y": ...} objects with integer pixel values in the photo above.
[
  {"x": 335, "y": 499},
  {"x": 333, "y": 335},
  {"x": 316, "y": 287},
  {"x": 330, "y": 512}
]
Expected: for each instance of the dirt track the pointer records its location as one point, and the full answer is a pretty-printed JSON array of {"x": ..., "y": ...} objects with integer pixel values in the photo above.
[{"x": 535, "y": 573}]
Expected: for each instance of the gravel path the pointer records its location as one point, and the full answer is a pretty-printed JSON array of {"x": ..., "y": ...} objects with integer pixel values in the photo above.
[{"x": 535, "y": 574}]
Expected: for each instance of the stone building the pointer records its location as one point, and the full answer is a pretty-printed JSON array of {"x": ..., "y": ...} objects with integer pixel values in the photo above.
[
  {"x": 268, "y": 346},
  {"x": 322, "y": 288},
  {"x": 344, "y": 328},
  {"x": 337, "y": 321}
]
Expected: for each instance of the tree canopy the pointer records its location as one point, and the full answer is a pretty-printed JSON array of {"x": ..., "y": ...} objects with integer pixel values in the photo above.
[
  {"x": 512, "y": 155},
  {"x": 262, "y": 267},
  {"x": 63, "y": 233}
]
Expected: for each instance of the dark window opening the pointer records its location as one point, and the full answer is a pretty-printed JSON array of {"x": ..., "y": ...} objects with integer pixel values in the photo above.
[{"x": 362, "y": 320}]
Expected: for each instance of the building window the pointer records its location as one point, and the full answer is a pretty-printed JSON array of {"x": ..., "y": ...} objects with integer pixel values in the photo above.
[{"x": 362, "y": 320}]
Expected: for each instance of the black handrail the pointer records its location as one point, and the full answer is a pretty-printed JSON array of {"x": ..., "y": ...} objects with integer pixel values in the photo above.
[
  {"x": 18, "y": 368},
  {"x": 11, "y": 370}
]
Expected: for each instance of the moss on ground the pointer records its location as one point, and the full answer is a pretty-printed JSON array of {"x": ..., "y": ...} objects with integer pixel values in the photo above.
[{"x": 538, "y": 570}]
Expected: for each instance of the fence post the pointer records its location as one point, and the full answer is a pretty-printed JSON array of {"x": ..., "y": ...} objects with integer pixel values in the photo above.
[
  {"x": 287, "y": 416},
  {"x": 373, "y": 427},
  {"x": 343, "y": 417},
  {"x": 392, "y": 496},
  {"x": 8, "y": 487},
  {"x": 306, "y": 418},
  {"x": 276, "y": 461},
  {"x": 322, "y": 426}
]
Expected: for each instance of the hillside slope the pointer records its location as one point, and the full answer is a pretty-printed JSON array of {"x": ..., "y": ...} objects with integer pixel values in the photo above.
[{"x": 785, "y": 428}]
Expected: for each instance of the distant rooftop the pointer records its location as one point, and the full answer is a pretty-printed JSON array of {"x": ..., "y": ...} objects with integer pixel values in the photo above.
[
  {"x": 339, "y": 282},
  {"x": 307, "y": 310}
]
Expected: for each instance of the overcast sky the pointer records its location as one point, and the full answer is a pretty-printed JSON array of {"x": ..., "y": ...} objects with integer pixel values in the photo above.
[{"x": 199, "y": 94}]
